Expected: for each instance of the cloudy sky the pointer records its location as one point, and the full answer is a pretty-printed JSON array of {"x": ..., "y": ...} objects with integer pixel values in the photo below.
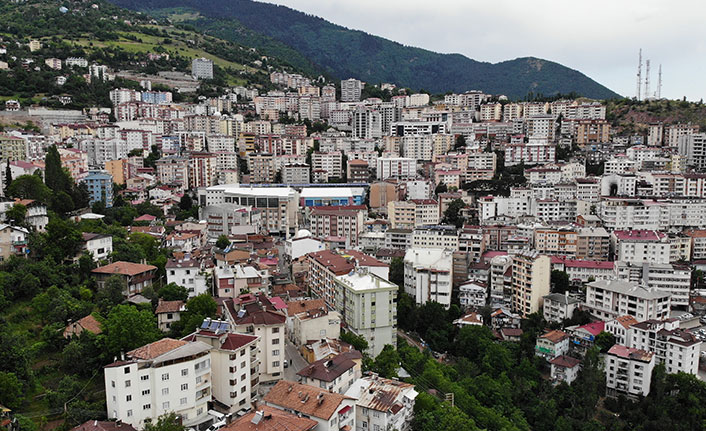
[{"x": 600, "y": 38}]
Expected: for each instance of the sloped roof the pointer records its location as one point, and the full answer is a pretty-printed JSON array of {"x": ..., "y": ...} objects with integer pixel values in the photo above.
[
  {"x": 169, "y": 306},
  {"x": 306, "y": 399},
  {"x": 272, "y": 419},
  {"x": 124, "y": 268},
  {"x": 158, "y": 348}
]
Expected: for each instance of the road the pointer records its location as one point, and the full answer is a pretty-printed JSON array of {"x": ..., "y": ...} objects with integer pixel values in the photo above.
[{"x": 298, "y": 361}]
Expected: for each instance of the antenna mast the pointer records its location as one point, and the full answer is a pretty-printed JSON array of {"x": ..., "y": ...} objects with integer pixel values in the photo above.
[
  {"x": 659, "y": 83},
  {"x": 647, "y": 79},
  {"x": 639, "y": 74}
]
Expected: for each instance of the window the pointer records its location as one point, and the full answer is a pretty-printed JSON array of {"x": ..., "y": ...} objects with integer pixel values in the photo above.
[
  {"x": 182, "y": 401},
  {"x": 242, "y": 377},
  {"x": 165, "y": 377},
  {"x": 242, "y": 390},
  {"x": 165, "y": 391},
  {"x": 146, "y": 392},
  {"x": 275, "y": 363},
  {"x": 275, "y": 341},
  {"x": 127, "y": 370},
  {"x": 146, "y": 407},
  {"x": 199, "y": 411},
  {"x": 127, "y": 383},
  {"x": 165, "y": 405},
  {"x": 242, "y": 364},
  {"x": 145, "y": 377},
  {"x": 185, "y": 372},
  {"x": 275, "y": 352},
  {"x": 128, "y": 398},
  {"x": 112, "y": 383},
  {"x": 275, "y": 330},
  {"x": 184, "y": 386}
]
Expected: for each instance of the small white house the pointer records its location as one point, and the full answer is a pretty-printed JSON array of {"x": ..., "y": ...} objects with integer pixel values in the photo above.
[
  {"x": 98, "y": 245},
  {"x": 564, "y": 369}
]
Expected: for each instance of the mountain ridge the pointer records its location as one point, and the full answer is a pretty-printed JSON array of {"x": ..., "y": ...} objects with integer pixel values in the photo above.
[{"x": 344, "y": 53}]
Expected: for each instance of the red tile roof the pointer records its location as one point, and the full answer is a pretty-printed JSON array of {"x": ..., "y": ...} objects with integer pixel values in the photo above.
[
  {"x": 565, "y": 361},
  {"x": 158, "y": 348},
  {"x": 124, "y": 268}
]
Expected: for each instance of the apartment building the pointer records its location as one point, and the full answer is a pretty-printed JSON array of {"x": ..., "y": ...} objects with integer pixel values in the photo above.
[
  {"x": 261, "y": 167},
  {"x": 628, "y": 371},
  {"x": 202, "y": 170},
  {"x": 367, "y": 305},
  {"x": 234, "y": 366},
  {"x": 336, "y": 374},
  {"x": 351, "y": 90},
  {"x": 641, "y": 246},
  {"x": 562, "y": 241},
  {"x": 296, "y": 173},
  {"x": 331, "y": 163},
  {"x": 256, "y": 315},
  {"x": 419, "y": 147},
  {"x": 324, "y": 266},
  {"x": 277, "y": 206},
  {"x": 436, "y": 236},
  {"x": 552, "y": 344},
  {"x": 173, "y": 170},
  {"x": 608, "y": 299},
  {"x": 332, "y": 411},
  {"x": 473, "y": 294},
  {"x": 530, "y": 281},
  {"x": 345, "y": 221},
  {"x": 592, "y": 132},
  {"x": 428, "y": 275},
  {"x": 311, "y": 320},
  {"x": 671, "y": 278},
  {"x": 676, "y": 348},
  {"x": 412, "y": 213},
  {"x": 558, "y": 307},
  {"x": 383, "y": 404},
  {"x": 202, "y": 68},
  {"x": 529, "y": 153},
  {"x": 592, "y": 243},
  {"x": 100, "y": 187},
  {"x": 161, "y": 377},
  {"x": 396, "y": 167}
]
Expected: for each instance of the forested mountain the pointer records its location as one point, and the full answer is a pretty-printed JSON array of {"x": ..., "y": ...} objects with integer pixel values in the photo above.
[{"x": 306, "y": 40}]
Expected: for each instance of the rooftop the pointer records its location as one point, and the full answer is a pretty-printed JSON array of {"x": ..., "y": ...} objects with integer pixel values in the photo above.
[
  {"x": 361, "y": 280},
  {"x": 383, "y": 395},
  {"x": 555, "y": 336},
  {"x": 306, "y": 399},
  {"x": 628, "y": 288},
  {"x": 565, "y": 361},
  {"x": 124, "y": 268},
  {"x": 267, "y": 418},
  {"x": 328, "y": 370},
  {"x": 630, "y": 353}
]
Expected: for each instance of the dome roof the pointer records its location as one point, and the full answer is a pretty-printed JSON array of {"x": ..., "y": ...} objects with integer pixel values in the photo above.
[{"x": 303, "y": 233}]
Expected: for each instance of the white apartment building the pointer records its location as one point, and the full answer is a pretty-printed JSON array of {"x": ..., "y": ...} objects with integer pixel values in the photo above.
[
  {"x": 428, "y": 275},
  {"x": 438, "y": 236},
  {"x": 351, "y": 90},
  {"x": 558, "y": 307},
  {"x": 331, "y": 163},
  {"x": 336, "y": 374},
  {"x": 187, "y": 273},
  {"x": 500, "y": 283},
  {"x": 234, "y": 366},
  {"x": 296, "y": 174},
  {"x": 529, "y": 153},
  {"x": 530, "y": 281},
  {"x": 628, "y": 371},
  {"x": 396, "y": 167},
  {"x": 417, "y": 147},
  {"x": 278, "y": 206},
  {"x": 473, "y": 294},
  {"x": 383, "y": 404},
  {"x": 202, "y": 68},
  {"x": 677, "y": 349},
  {"x": 673, "y": 279},
  {"x": 161, "y": 377},
  {"x": 608, "y": 299},
  {"x": 641, "y": 246},
  {"x": 367, "y": 305}
]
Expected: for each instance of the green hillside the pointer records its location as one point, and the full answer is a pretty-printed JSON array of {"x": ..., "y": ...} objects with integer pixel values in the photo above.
[
  {"x": 108, "y": 35},
  {"x": 299, "y": 38}
]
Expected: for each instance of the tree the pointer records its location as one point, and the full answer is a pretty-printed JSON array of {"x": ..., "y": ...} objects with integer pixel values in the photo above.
[
  {"x": 560, "y": 281},
  {"x": 10, "y": 390},
  {"x": 604, "y": 341},
  {"x": 198, "y": 308},
  {"x": 222, "y": 242},
  {"x": 29, "y": 187},
  {"x": 460, "y": 141},
  {"x": 57, "y": 179},
  {"x": 127, "y": 328},
  {"x": 16, "y": 214},
  {"x": 173, "y": 292},
  {"x": 357, "y": 341},
  {"x": 8, "y": 176},
  {"x": 452, "y": 214},
  {"x": 185, "y": 203},
  {"x": 441, "y": 188},
  {"x": 387, "y": 362},
  {"x": 166, "y": 422},
  {"x": 112, "y": 293},
  {"x": 397, "y": 271}
]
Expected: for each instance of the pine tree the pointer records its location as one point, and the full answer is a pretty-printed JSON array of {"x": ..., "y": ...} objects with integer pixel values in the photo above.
[{"x": 8, "y": 176}]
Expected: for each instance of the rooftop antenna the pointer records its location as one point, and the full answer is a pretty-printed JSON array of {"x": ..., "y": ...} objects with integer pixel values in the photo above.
[
  {"x": 659, "y": 83},
  {"x": 639, "y": 74},
  {"x": 647, "y": 79}
]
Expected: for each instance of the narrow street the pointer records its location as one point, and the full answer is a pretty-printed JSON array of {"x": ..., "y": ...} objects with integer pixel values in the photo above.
[{"x": 298, "y": 361}]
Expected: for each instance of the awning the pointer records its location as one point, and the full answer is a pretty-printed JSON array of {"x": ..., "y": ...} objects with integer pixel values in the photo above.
[{"x": 344, "y": 410}]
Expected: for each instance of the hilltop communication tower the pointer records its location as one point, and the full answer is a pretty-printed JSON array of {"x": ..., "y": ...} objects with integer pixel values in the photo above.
[{"x": 639, "y": 74}]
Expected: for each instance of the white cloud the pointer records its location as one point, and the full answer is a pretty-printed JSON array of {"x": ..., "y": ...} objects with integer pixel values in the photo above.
[{"x": 600, "y": 38}]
